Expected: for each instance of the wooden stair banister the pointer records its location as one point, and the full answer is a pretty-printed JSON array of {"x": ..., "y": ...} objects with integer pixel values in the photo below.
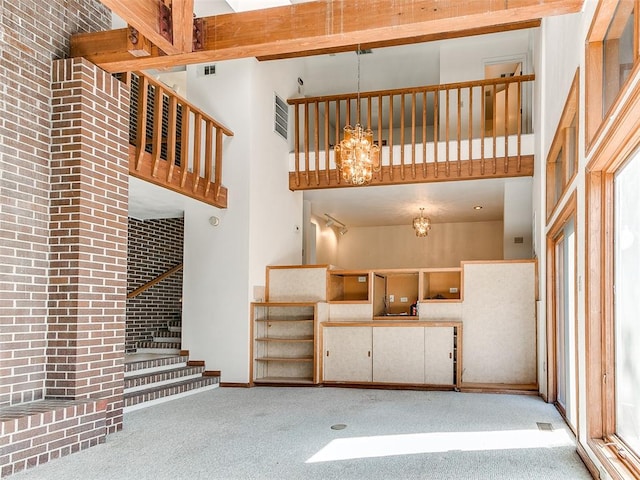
[
  {"x": 156, "y": 280},
  {"x": 173, "y": 143}
]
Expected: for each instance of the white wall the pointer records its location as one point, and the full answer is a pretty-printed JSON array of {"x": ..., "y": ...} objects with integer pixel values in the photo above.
[
  {"x": 223, "y": 264},
  {"x": 517, "y": 218},
  {"x": 275, "y": 211},
  {"x": 398, "y": 247},
  {"x": 554, "y": 68},
  {"x": 326, "y": 242}
]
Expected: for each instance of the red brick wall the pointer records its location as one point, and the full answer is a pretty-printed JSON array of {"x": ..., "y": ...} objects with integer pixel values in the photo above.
[
  {"x": 88, "y": 236},
  {"x": 35, "y": 433},
  {"x": 154, "y": 247},
  {"x": 33, "y": 32}
]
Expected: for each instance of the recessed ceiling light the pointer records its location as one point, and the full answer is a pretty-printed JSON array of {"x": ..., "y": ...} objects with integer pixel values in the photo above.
[{"x": 477, "y": 207}]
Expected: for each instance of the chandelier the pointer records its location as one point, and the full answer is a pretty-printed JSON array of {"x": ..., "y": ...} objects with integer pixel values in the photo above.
[
  {"x": 357, "y": 157},
  {"x": 421, "y": 225}
]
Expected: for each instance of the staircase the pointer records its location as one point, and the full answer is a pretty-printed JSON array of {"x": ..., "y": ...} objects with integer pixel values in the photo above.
[
  {"x": 150, "y": 379},
  {"x": 166, "y": 341},
  {"x": 160, "y": 371}
]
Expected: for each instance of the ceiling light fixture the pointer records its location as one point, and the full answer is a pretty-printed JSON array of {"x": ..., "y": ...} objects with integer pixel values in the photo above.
[
  {"x": 357, "y": 157},
  {"x": 422, "y": 225},
  {"x": 477, "y": 207},
  {"x": 332, "y": 221}
]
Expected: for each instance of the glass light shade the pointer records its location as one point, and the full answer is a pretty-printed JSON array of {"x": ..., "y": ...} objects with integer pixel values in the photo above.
[
  {"x": 421, "y": 225},
  {"x": 357, "y": 157}
]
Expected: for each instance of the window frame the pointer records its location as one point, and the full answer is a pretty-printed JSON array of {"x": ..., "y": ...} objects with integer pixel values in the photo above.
[
  {"x": 595, "y": 58},
  {"x": 560, "y": 144},
  {"x": 615, "y": 144},
  {"x": 568, "y": 212}
]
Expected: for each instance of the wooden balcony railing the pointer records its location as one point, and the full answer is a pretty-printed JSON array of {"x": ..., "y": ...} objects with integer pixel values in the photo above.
[
  {"x": 433, "y": 133},
  {"x": 173, "y": 143}
]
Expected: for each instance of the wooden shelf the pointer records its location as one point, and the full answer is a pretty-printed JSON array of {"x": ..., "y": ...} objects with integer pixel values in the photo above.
[
  {"x": 276, "y": 320},
  {"x": 285, "y": 339},
  {"x": 285, "y": 380},
  {"x": 285, "y": 359}
]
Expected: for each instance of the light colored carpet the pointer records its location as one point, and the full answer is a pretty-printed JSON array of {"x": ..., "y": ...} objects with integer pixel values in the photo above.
[{"x": 285, "y": 433}]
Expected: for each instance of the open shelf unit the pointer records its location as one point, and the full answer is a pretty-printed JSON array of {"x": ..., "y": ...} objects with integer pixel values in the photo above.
[
  {"x": 394, "y": 292},
  {"x": 284, "y": 342},
  {"x": 349, "y": 286},
  {"x": 441, "y": 284}
]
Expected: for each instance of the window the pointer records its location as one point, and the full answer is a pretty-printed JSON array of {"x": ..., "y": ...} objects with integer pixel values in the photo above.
[
  {"x": 613, "y": 329},
  {"x": 612, "y": 55},
  {"x": 561, "y": 317},
  {"x": 562, "y": 162},
  {"x": 626, "y": 311},
  {"x": 612, "y": 234},
  {"x": 618, "y": 54}
]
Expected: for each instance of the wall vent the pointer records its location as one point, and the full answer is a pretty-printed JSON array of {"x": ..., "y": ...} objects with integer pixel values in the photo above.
[
  {"x": 209, "y": 69},
  {"x": 281, "y": 117},
  {"x": 518, "y": 239}
]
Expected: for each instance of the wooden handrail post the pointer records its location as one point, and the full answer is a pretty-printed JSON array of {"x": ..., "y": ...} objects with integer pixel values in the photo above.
[{"x": 218, "y": 162}]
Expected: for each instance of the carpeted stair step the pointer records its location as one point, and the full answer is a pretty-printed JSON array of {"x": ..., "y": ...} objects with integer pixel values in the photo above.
[
  {"x": 156, "y": 379},
  {"x": 174, "y": 326},
  {"x": 158, "y": 347},
  {"x": 154, "y": 395},
  {"x": 155, "y": 365},
  {"x": 167, "y": 337}
]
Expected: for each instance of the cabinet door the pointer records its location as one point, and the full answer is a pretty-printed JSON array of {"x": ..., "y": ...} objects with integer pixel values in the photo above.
[
  {"x": 347, "y": 354},
  {"x": 398, "y": 354},
  {"x": 438, "y": 356}
]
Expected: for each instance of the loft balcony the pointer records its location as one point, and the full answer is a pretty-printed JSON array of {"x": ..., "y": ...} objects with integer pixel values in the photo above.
[{"x": 456, "y": 131}]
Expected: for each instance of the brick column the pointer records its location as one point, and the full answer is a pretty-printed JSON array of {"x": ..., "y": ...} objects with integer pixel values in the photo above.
[{"x": 89, "y": 197}]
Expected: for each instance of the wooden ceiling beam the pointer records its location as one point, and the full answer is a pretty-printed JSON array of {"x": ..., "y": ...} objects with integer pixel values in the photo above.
[
  {"x": 313, "y": 26},
  {"x": 407, "y": 41},
  {"x": 143, "y": 15},
  {"x": 182, "y": 16}
]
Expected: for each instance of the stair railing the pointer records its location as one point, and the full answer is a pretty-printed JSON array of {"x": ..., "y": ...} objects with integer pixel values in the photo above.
[
  {"x": 153, "y": 282},
  {"x": 174, "y": 144}
]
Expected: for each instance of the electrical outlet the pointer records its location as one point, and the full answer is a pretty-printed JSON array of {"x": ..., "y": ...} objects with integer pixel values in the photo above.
[
  {"x": 392, "y": 298},
  {"x": 453, "y": 290},
  {"x": 403, "y": 300}
]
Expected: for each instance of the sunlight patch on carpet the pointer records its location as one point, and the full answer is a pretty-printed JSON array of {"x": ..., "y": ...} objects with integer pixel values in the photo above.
[{"x": 388, "y": 445}]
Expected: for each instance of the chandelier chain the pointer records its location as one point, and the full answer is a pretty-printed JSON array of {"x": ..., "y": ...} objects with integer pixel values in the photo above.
[{"x": 358, "y": 77}]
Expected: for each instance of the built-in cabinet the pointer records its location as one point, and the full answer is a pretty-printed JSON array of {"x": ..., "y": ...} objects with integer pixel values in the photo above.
[
  {"x": 348, "y": 354},
  {"x": 441, "y": 355},
  {"x": 324, "y": 325},
  {"x": 400, "y": 353}
]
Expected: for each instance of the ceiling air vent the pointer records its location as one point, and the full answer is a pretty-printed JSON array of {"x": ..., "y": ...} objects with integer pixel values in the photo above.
[{"x": 281, "y": 117}]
